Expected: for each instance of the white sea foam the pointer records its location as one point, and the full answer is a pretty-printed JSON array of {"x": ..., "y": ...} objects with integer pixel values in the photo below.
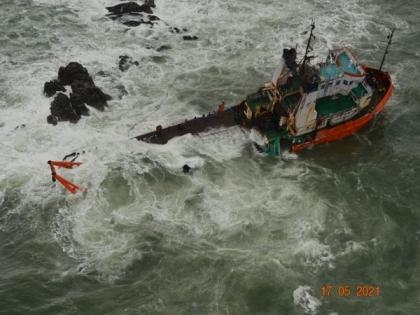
[{"x": 302, "y": 297}]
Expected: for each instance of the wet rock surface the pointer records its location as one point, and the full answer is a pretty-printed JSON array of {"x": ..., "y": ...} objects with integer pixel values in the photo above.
[
  {"x": 52, "y": 87},
  {"x": 133, "y": 14},
  {"x": 62, "y": 109},
  {"x": 84, "y": 92},
  {"x": 189, "y": 37}
]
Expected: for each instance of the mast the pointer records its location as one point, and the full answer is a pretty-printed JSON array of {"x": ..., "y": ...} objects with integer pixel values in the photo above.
[
  {"x": 387, "y": 48},
  {"x": 308, "y": 46}
]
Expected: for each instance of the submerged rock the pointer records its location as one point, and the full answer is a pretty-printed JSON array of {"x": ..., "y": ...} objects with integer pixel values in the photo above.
[
  {"x": 62, "y": 110},
  {"x": 163, "y": 47},
  {"x": 189, "y": 37},
  {"x": 176, "y": 30},
  {"x": 52, "y": 87},
  {"x": 126, "y": 62}
]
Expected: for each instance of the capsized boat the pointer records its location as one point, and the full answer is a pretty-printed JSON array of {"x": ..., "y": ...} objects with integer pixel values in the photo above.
[{"x": 303, "y": 105}]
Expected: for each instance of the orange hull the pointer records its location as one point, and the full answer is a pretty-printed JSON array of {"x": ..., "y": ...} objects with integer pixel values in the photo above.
[{"x": 346, "y": 129}]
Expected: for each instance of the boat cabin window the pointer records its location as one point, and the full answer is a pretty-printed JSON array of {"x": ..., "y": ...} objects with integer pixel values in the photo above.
[
  {"x": 345, "y": 82},
  {"x": 351, "y": 82},
  {"x": 338, "y": 82},
  {"x": 330, "y": 84}
]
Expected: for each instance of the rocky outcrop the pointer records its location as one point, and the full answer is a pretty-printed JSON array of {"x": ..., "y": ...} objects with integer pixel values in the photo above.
[
  {"x": 90, "y": 94},
  {"x": 52, "y": 87},
  {"x": 62, "y": 109},
  {"x": 133, "y": 14},
  {"x": 84, "y": 92},
  {"x": 78, "y": 104},
  {"x": 72, "y": 72}
]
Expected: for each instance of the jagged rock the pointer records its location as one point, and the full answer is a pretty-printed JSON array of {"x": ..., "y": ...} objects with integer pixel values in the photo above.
[
  {"x": 62, "y": 110},
  {"x": 90, "y": 94},
  {"x": 73, "y": 71},
  {"x": 131, "y": 7},
  {"x": 133, "y": 14},
  {"x": 126, "y": 62},
  {"x": 52, "y": 120},
  {"x": 186, "y": 168},
  {"x": 78, "y": 104},
  {"x": 84, "y": 91},
  {"x": 150, "y": 3},
  {"x": 189, "y": 37},
  {"x": 153, "y": 18},
  {"x": 52, "y": 87}
]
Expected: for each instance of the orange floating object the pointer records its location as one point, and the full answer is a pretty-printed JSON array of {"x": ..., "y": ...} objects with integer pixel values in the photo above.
[
  {"x": 65, "y": 164},
  {"x": 71, "y": 187}
]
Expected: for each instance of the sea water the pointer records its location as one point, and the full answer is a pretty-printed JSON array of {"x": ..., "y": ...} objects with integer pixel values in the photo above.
[{"x": 241, "y": 234}]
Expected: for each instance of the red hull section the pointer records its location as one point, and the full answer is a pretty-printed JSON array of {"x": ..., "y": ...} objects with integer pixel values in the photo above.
[{"x": 348, "y": 128}]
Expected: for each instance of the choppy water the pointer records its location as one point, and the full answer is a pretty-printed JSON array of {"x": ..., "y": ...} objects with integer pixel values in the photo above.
[{"x": 244, "y": 234}]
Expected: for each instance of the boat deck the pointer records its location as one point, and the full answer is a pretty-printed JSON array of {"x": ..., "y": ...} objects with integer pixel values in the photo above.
[{"x": 231, "y": 117}]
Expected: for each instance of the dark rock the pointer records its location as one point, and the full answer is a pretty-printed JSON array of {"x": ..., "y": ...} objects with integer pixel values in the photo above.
[
  {"x": 52, "y": 120},
  {"x": 186, "y": 168},
  {"x": 175, "y": 30},
  {"x": 84, "y": 91},
  {"x": 126, "y": 62},
  {"x": 78, "y": 104},
  {"x": 163, "y": 47},
  {"x": 73, "y": 71},
  {"x": 131, "y": 7},
  {"x": 62, "y": 110},
  {"x": 132, "y": 14},
  {"x": 153, "y": 18},
  {"x": 90, "y": 94},
  {"x": 52, "y": 87},
  {"x": 20, "y": 127},
  {"x": 189, "y": 37},
  {"x": 150, "y": 3}
]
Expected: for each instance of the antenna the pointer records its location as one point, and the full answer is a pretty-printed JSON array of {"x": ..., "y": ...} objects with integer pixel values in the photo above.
[
  {"x": 308, "y": 46},
  {"x": 387, "y": 48}
]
